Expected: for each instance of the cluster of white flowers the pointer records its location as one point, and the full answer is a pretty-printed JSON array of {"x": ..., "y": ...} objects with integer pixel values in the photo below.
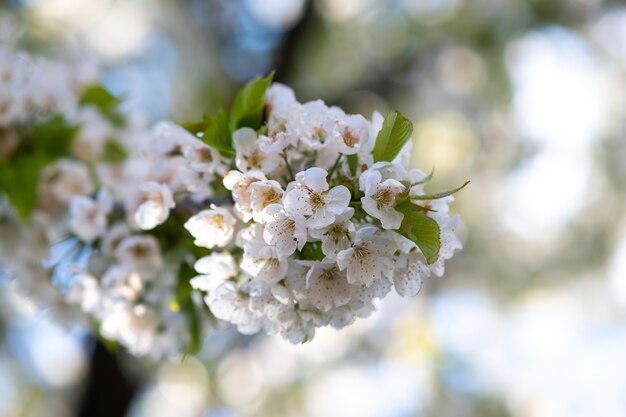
[
  {"x": 107, "y": 274},
  {"x": 288, "y": 217},
  {"x": 310, "y": 242},
  {"x": 31, "y": 87},
  {"x": 126, "y": 285}
]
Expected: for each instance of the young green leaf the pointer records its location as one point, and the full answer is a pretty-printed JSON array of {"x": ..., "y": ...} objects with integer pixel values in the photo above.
[
  {"x": 113, "y": 152},
  {"x": 184, "y": 302},
  {"x": 217, "y": 135},
  {"x": 195, "y": 327},
  {"x": 422, "y": 230},
  {"x": 396, "y": 131},
  {"x": 19, "y": 181},
  {"x": 312, "y": 251},
  {"x": 247, "y": 110},
  {"x": 197, "y": 127},
  {"x": 437, "y": 196},
  {"x": 99, "y": 97},
  {"x": 53, "y": 138},
  {"x": 353, "y": 161}
]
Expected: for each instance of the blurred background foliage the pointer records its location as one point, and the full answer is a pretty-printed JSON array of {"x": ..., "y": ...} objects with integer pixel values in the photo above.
[{"x": 526, "y": 98}]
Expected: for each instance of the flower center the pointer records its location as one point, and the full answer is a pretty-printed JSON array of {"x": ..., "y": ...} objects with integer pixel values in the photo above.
[
  {"x": 204, "y": 155},
  {"x": 218, "y": 220},
  {"x": 254, "y": 159},
  {"x": 319, "y": 134},
  {"x": 349, "y": 138},
  {"x": 317, "y": 200},
  {"x": 361, "y": 251},
  {"x": 139, "y": 251},
  {"x": 384, "y": 197},
  {"x": 329, "y": 274},
  {"x": 271, "y": 196}
]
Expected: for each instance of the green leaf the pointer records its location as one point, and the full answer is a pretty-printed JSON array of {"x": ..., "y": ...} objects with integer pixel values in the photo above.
[
  {"x": 197, "y": 127},
  {"x": 422, "y": 230},
  {"x": 53, "y": 138},
  {"x": 396, "y": 131},
  {"x": 436, "y": 196},
  {"x": 353, "y": 161},
  {"x": 217, "y": 135},
  {"x": 99, "y": 97},
  {"x": 19, "y": 177},
  {"x": 312, "y": 251},
  {"x": 19, "y": 181},
  {"x": 113, "y": 152},
  {"x": 185, "y": 302},
  {"x": 195, "y": 327},
  {"x": 247, "y": 110}
]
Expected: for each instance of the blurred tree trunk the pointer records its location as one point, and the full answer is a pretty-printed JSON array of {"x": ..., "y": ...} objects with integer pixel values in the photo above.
[{"x": 109, "y": 392}]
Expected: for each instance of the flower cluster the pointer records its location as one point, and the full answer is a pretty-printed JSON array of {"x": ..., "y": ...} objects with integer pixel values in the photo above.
[
  {"x": 70, "y": 163},
  {"x": 320, "y": 227},
  {"x": 33, "y": 87},
  {"x": 126, "y": 282},
  {"x": 281, "y": 217}
]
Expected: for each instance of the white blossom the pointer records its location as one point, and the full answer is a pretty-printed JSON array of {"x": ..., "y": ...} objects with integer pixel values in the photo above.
[
  {"x": 410, "y": 270},
  {"x": 250, "y": 156},
  {"x": 310, "y": 196},
  {"x": 239, "y": 183},
  {"x": 211, "y": 228},
  {"x": 338, "y": 236},
  {"x": 153, "y": 205},
  {"x": 65, "y": 179},
  {"x": 354, "y": 134},
  {"x": 88, "y": 217},
  {"x": 328, "y": 286},
  {"x": 369, "y": 258},
  {"x": 140, "y": 253},
  {"x": 284, "y": 232},
  {"x": 229, "y": 304},
  {"x": 380, "y": 198},
  {"x": 262, "y": 194},
  {"x": 214, "y": 269},
  {"x": 85, "y": 292},
  {"x": 201, "y": 158}
]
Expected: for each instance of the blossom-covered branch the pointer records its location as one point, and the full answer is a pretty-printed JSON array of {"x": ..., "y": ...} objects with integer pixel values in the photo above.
[{"x": 279, "y": 216}]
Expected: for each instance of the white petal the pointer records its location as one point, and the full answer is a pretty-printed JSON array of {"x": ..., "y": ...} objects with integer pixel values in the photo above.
[
  {"x": 244, "y": 140},
  {"x": 370, "y": 206},
  {"x": 344, "y": 257},
  {"x": 280, "y": 234},
  {"x": 150, "y": 214},
  {"x": 390, "y": 218},
  {"x": 296, "y": 201},
  {"x": 315, "y": 178},
  {"x": 338, "y": 199},
  {"x": 368, "y": 181},
  {"x": 231, "y": 178},
  {"x": 321, "y": 217}
]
